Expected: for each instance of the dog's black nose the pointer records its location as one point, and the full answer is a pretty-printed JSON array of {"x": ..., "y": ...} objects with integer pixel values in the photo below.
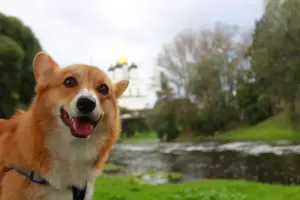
[{"x": 86, "y": 104}]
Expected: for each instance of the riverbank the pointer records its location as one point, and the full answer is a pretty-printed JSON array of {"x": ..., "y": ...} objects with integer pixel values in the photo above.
[
  {"x": 126, "y": 188},
  {"x": 274, "y": 128}
]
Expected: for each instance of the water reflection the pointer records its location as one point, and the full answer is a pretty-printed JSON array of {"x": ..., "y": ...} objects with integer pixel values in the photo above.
[{"x": 253, "y": 161}]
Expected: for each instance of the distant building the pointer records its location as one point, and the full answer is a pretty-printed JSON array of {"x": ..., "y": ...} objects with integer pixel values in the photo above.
[{"x": 135, "y": 97}]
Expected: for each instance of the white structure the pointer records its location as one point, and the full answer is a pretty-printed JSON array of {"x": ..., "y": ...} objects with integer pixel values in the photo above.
[{"x": 135, "y": 97}]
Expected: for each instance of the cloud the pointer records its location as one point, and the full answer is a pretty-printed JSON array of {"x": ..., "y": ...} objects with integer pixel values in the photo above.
[{"x": 99, "y": 31}]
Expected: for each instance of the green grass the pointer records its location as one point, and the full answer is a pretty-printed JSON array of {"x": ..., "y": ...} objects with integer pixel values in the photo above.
[
  {"x": 174, "y": 176},
  {"x": 124, "y": 188},
  {"x": 110, "y": 168},
  {"x": 276, "y": 127}
]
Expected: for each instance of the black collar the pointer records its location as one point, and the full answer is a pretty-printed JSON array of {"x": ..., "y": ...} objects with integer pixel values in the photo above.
[{"x": 78, "y": 194}]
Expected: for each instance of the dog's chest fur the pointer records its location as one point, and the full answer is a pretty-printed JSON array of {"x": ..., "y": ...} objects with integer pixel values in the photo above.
[
  {"x": 65, "y": 174},
  {"x": 72, "y": 162}
]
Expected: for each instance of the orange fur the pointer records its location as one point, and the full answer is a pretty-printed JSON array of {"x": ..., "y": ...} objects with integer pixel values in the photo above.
[{"x": 30, "y": 140}]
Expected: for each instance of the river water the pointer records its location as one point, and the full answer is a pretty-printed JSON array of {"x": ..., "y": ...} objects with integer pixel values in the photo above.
[{"x": 276, "y": 162}]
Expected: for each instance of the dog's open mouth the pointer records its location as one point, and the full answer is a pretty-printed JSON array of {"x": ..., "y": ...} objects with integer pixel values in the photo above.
[{"x": 80, "y": 127}]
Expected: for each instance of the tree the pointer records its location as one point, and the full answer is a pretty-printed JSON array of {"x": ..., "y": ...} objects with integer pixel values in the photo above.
[
  {"x": 222, "y": 46},
  {"x": 165, "y": 91},
  {"x": 175, "y": 61},
  {"x": 222, "y": 55},
  {"x": 205, "y": 82},
  {"x": 202, "y": 67},
  {"x": 162, "y": 118},
  {"x": 11, "y": 56},
  {"x": 253, "y": 103},
  {"x": 275, "y": 51},
  {"x": 26, "y": 45}
]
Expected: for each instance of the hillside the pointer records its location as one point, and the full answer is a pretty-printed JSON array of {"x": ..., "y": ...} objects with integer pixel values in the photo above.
[{"x": 276, "y": 127}]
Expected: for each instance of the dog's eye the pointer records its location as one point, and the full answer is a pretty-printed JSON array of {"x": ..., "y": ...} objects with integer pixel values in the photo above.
[
  {"x": 103, "y": 89},
  {"x": 70, "y": 82}
]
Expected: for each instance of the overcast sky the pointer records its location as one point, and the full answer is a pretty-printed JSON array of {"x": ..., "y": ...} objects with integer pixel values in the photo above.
[{"x": 99, "y": 31}]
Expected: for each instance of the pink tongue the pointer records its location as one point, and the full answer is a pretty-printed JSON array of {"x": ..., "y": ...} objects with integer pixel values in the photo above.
[{"x": 82, "y": 129}]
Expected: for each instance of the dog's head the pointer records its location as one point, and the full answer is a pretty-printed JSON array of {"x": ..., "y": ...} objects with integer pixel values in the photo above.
[{"x": 78, "y": 99}]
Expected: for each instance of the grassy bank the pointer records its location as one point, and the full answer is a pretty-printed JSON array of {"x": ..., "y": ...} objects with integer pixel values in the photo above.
[
  {"x": 124, "y": 188},
  {"x": 276, "y": 127}
]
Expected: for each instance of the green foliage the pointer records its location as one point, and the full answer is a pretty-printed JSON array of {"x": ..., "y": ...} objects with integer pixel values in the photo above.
[
  {"x": 214, "y": 65},
  {"x": 225, "y": 92},
  {"x": 132, "y": 125},
  {"x": 186, "y": 115},
  {"x": 111, "y": 168},
  {"x": 11, "y": 56},
  {"x": 219, "y": 109},
  {"x": 123, "y": 188},
  {"x": 275, "y": 50},
  {"x": 205, "y": 82},
  {"x": 124, "y": 110},
  {"x": 254, "y": 104},
  {"x": 175, "y": 177},
  {"x": 162, "y": 119},
  {"x": 139, "y": 136},
  {"x": 214, "y": 119},
  {"x": 24, "y": 45},
  {"x": 213, "y": 79},
  {"x": 165, "y": 92}
]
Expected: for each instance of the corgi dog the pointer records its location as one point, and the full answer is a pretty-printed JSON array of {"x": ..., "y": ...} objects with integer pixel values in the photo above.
[{"x": 56, "y": 149}]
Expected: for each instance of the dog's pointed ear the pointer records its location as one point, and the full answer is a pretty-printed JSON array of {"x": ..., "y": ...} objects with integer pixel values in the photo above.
[
  {"x": 120, "y": 87},
  {"x": 43, "y": 67}
]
